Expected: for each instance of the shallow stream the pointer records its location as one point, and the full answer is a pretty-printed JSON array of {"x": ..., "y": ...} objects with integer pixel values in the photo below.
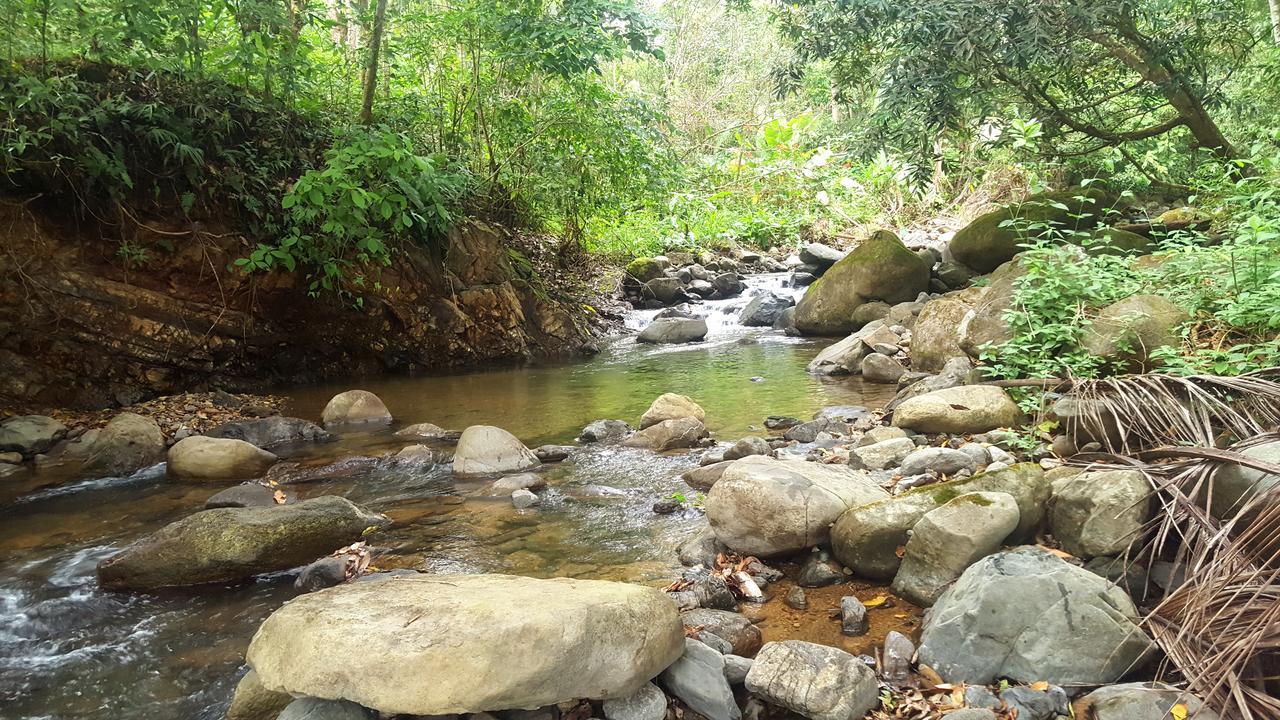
[{"x": 68, "y": 650}]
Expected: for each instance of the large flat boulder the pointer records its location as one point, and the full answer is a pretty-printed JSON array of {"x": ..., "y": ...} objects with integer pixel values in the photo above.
[
  {"x": 30, "y": 434},
  {"x": 489, "y": 450},
  {"x": 206, "y": 458},
  {"x": 867, "y": 538},
  {"x": 958, "y": 410},
  {"x": 444, "y": 644},
  {"x": 1030, "y": 616},
  {"x": 673, "y": 330},
  {"x": 229, "y": 544},
  {"x": 766, "y": 507},
  {"x": 879, "y": 268}
]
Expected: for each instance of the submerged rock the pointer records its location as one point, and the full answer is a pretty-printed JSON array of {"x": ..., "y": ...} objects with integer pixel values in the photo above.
[
  {"x": 1028, "y": 615},
  {"x": 762, "y": 506},
  {"x": 488, "y": 450},
  {"x": 274, "y": 431},
  {"x": 816, "y": 681},
  {"x": 229, "y": 544},
  {"x": 569, "y": 639},
  {"x": 206, "y": 458},
  {"x": 355, "y": 407}
]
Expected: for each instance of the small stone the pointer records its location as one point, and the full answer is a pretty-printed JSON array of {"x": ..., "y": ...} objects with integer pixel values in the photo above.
[
  {"x": 898, "y": 652},
  {"x": 552, "y": 453},
  {"x": 1033, "y": 704},
  {"x": 666, "y": 507},
  {"x": 819, "y": 571},
  {"x": 323, "y": 573},
  {"x": 796, "y": 599},
  {"x": 853, "y": 616},
  {"x": 522, "y": 499},
  {"x": 747, "y": 446},
  {"x": 943, "y": 461}
]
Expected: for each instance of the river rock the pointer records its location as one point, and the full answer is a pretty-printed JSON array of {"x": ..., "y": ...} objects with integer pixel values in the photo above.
[
  {"x": 1141, "y": 701},
  {"x": 229, "y": 544},
  {"x": 570, "y": 639},
  {"x": 786, "y": 322},
  {"x": 666, "y": 290},
  {"x": 647, "y": 703},
  {"x": 251, "y": 701},
  {"x": 317, "y": 709},
  {"x": 701, "y": 548},
  {"x": 951, "y": 538},
  {"x": 819, "y": 571},
  {"x": 845, "y": 357},
  {"x": 1028, "y": 615},
  {"x": 705, "y": 477},
  {"x": 991, "y": 239},
  {"x": 271, "y": 432},
  {"x": 742, "y": 635},
  {"x": 820, "y": 256},
  {"x": 205, "y": 458},
  {"x": 866, "y": 538},
  {"x": 644, "y": 269},
  {"x": 896, "y": 657},
  {"x": 355, "y": 407},
  {"x": 1099, "y": 513},
  {"x": 940, "y": 460},
  {"x": 523, "y": 499},
  {"x": 250, "y": 494},
  {"x": 878, "y": 368},
  {"x": 748, "y": 446},
  {"x": 523, "y": 481},
  {"x": 672, "y": 330},
  {"x": 697, "y": 678},
  {"x": 815, "y": 681},
  {"x": 935, "y": 337},
  {"x": 853, "y": 616},
  {"x": 766, "y": 507},
  {"x": 763, "y": 310},
  {"x": 728, "y": 284},
  {"x": 883, "y": 455},
  {"x": 879, "y": 268},
  {"x": 683, "y": 432},
  {"x": 736, "y": 668},
  {"x": 553, "y": 453},
  {"x": 1126, "y": 332},
  {"x": 959, "y": 410},
  {"x": 488, "y": 450},
  {"x": 30, "y": 434},
  {"x": 671, "y": 406},
  {"x": 127, "y": 444},
  {"x": 605, "y": 431},
  {"x": 424, "y": 431},
  {"x": 808, "y": 432},
  {"x": 984, "y": 325}
]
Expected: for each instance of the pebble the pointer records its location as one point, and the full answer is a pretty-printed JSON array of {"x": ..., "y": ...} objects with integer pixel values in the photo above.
[{"x": 796, "y": 599}]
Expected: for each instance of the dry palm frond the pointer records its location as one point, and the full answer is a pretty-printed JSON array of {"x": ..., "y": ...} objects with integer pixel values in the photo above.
[{"x": 1136, "y": 412}]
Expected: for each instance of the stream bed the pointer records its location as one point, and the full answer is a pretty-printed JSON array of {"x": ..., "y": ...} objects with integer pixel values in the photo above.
[{"x": 69, "y": 650}]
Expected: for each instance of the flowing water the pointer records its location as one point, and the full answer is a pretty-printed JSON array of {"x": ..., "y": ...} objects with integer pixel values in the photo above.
[{"x": 68, "y": 650}]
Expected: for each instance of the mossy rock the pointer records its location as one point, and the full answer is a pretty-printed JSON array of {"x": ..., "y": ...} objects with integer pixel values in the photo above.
[
  {"x": 1126, "y": 332},
  {"x": 984, "y": 244},
  {"x": 879, "y": 268},
  {"x": 644, "y": 269},
  {"x": 1114, "y": 241}
]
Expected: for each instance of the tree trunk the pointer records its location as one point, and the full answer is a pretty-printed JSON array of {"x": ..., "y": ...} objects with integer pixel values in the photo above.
[
  {"x": 1275, "y": 20},
  {"x": 371, "y": 73}
]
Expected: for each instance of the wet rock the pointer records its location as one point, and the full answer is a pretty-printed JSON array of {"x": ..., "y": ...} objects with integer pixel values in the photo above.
[
  {"x": 488, "y": 450},
  {"x": 325, "y": 572},
  {"x": 666, "y": 290},
  {"x": 523, "y": 499},
  {"x": 523, "y": 481},
  {"x": 713, "y": 593},
  {"x": 815, "y": 681},
  {"x": 666, "y": 507},
  {"x": 879, "y": 268},
  {"x": 671, "y": 406},
  {"x": 1140, "y": 701},
  {"x": 736, "y": 669},
  {"x": 673, "y": 330},
  {"x": 883, "y": 455},
  {"x": 271, "y": 432},
  {"x": 251, "y": 701},
  {"x": 424, "y": 431},
  {"x": 355, "y": 407},
  {"x": 126, "y": 445},
  {"x": 765, "y": 507},
  {"x": 959, "y": 410},
  {"x": 819, "y": 571},
  {"x": 704, "y": 478},
  {"x": 206, "y": 458},
  {"x": 746, "y": 447},
  {"x": 897, "y": 654},
  {"x": 866, "y": 538},
  {"x": 552, "y": 453},
  {"x": 951, "y": 538},
  {"x": 743, "y": 636},
  {"x": 250, "y": 494},
  {"x": 229, "y": 544},
  {"x": 697, "y": 679},
  {"x": 30, "y": 434},
  {"x": 605, "y": 431},
  {"x": 316, "y": 709},
  {"x": 878, "y": 368},
  {"x": 853, "y": 616},
  {"x": 780, "y": 422},
  {"x": 796, "y": 599},
  {"x": 845, "y": 357},
  {"x": 763, "y": 310},
  {"x": 1099, "y": 513},
  {"x": 1028, "y": 615},
  {"x": 683, "y": 432},
  {"x": 728, "y": 284},
  {"x": 571, "y": 639},
  {"x": 940, "y": 460},
  {"x": 415, "y": 455},
  {"x": 786, "y": 322},
  {"x": 647, "y": 703}
]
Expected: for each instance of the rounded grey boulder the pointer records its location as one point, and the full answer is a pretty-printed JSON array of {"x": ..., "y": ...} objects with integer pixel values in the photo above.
[
  {"x": 488, "y": 450},
  {"x": 355, "y": 407}
]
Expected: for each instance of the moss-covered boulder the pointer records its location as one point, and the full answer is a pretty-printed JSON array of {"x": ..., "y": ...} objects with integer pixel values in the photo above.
[
  {"x": 1126, "y": 332},
  {"x": 935, "y": 337},
  {"x": 879, "y": 268},
  {"x": 989, "y": 241},
  {"x": 867, "y": 538},
  {"x": 644, "y": 269},
  {"x": 1114, "y": 241}
]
